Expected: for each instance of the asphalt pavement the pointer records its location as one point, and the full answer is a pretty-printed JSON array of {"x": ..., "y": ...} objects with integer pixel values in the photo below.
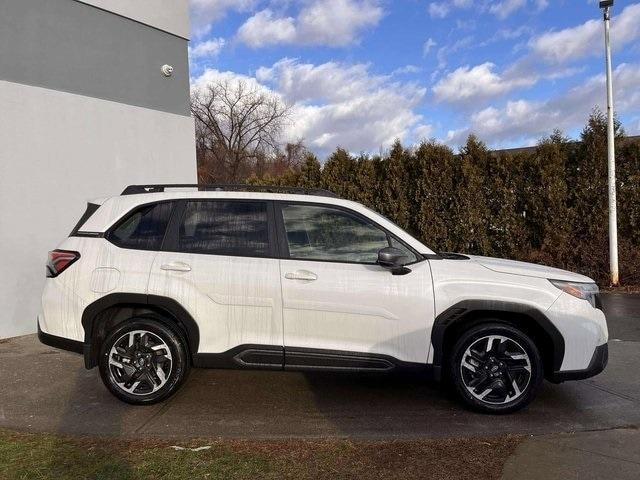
[{"x": 44, "y": 389}]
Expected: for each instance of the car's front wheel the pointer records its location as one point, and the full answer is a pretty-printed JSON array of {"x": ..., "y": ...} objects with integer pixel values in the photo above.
[
  {"x": 496, "y": 368},
  {"x": 143, "y": 361}
]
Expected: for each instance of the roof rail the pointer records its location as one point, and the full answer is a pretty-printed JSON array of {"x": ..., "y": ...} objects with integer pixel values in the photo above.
[{"x": 138, "y": 189}]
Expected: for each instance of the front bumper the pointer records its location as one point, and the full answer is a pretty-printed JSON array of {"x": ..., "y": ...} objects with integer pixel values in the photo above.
[
  {"x": 583, "y": 329},
  {"x": 596, "y": 365}
]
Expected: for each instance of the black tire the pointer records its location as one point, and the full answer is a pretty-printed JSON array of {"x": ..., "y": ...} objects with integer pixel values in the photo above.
[
  {"x": 150, "y": 349},
  {"x": 501, "y": 371}
]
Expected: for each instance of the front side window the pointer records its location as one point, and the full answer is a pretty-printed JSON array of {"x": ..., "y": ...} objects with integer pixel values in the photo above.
[
  {"x": 225, "y": 228},
  {"x": 144, "y": 228},
  {"x": 411, "y": 257},
  {"x": 325, "y": 233}
]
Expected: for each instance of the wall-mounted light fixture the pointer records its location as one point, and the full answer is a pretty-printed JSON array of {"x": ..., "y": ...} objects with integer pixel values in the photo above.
[{"x": 167, "y": 70}]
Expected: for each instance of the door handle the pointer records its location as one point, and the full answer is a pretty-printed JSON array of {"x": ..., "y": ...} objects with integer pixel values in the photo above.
[
  {"x": 301, "y": 275},
  {"x": 176, "y": 267}
]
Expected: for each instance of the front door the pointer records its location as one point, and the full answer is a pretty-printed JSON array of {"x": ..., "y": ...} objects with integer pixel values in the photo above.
[{"x": 340, "y": 309}]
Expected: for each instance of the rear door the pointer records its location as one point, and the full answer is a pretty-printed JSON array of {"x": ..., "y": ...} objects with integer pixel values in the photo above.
[
  {"x": 219, "y": 262},
  {"x": 123, "y": 264},
  {"x": 341, "y": 309}
]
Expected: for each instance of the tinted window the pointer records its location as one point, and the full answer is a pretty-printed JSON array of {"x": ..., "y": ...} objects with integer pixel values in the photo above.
[
  {"x": 91, "y": 209},
  {"x": 411, "y": 257},
  {"x": 325, "y": 233},
  {"x": 144, "y": 228},
  {"x": 225, "y": 228}
]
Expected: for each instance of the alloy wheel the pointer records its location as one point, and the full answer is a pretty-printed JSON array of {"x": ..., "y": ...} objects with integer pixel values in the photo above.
[
  {"x": 495, "y": 369},
  {"x": 140, "y": 362}
]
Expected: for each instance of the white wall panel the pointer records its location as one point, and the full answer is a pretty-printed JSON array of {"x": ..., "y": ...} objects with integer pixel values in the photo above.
[{"x": 57, "y": 150}]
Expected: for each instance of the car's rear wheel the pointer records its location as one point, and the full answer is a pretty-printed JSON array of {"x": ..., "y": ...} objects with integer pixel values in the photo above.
[
  {"x": 496, "y": 368},
  {"x": 143, "y": 361}
]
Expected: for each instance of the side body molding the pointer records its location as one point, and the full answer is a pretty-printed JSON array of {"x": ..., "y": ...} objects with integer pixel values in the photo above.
[
  {"x": 471, "y": 310},
  {"x": 155, "y": 303}
]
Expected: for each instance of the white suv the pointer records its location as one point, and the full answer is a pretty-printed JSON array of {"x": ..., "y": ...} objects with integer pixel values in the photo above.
[{"x": 165, "y": 277}]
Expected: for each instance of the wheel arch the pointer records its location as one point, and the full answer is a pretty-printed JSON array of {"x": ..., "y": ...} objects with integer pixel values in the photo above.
[
  {"x": 466, "y": 314},
  {"x": 111, "y": 310}
]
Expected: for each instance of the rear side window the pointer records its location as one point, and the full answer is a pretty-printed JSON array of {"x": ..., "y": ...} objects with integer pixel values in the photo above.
[
  {"x": 91, "y": 209},
  {"x": 144, "y": 228},
  {"x": 220, "y": 227}
]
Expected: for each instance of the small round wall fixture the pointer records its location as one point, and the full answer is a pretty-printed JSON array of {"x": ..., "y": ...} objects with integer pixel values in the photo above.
[{"x": 167, "y": 70}]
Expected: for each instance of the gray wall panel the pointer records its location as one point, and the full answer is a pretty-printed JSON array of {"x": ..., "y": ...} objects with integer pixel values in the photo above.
[
  {"x": 168, "y": 15},
  {"x": 70, "y": 46}
]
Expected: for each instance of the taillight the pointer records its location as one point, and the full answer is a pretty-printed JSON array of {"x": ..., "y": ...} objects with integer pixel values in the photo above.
[{"x": 59, "y": 261}]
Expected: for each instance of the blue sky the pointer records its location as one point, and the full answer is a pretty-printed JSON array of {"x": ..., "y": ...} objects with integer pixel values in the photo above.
[{"x": 360, "y": 73}]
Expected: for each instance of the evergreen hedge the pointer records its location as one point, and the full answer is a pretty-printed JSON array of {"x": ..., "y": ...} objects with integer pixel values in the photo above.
[{"x": 548, "y": 205}]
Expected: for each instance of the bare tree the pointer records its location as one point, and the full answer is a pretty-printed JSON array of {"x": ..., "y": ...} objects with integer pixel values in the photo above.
[
  {"x": 290, "y": 156},
  {"x": 237, "y": 126}
]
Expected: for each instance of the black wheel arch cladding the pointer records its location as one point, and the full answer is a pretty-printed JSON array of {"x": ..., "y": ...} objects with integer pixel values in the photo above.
[
  {"x": 471, "y": 312},
  {"x": 169, "y": 310}
]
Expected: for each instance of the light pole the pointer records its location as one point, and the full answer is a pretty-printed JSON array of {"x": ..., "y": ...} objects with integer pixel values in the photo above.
[{"x": 611, "y": 151}]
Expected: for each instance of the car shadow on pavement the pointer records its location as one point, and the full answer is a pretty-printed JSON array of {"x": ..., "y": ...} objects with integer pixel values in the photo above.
[
  {"x": 84, "y": 401},
  {"x": 48, "y": 390}
]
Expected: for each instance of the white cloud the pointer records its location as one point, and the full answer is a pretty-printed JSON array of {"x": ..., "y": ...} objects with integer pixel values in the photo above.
[
  {"x": 448, "y": 50},
  {"x": 336, "y": 104},
  {"x": 210, "y": 48},
  {"x": 542, "y": 4},
  {"x": 512, "y": 33},
  {"x": 442, "y": 9},
  {"x": 205, "y": 12},
  {"x": 438, "y": 10},
  {"x": 407, "y": 69},
  {"x": 211, "y": 75},
  {"x": 480, "y": 82},
  {"x": 587, "y": 39},
  {"x": 423, "y": 132},
  {"x": 568, "y": 44},
  {"x": 263, "y": 29},
  {"x": 320, "y": 22},
  {"x": 521, "y": 121},
  {"x": 506, "y": 7},
  {"x": 428, "y": 45},
  {"x": 547, "y": 59}
]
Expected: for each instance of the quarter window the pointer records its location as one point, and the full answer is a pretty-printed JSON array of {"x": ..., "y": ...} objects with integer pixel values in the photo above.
[
  {"x": 324, "y": 233},
  {"x": 144, "y": 228},
  {"x": 225, "y": 228}
]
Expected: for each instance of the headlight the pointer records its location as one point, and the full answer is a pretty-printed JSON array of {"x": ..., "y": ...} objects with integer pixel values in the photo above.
[{"x": 584, "y": 291}]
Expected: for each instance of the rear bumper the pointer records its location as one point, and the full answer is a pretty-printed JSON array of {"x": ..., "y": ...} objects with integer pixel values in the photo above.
[
  {"x": 59, "y": 342},
  {"x": 597, "y": 364}
]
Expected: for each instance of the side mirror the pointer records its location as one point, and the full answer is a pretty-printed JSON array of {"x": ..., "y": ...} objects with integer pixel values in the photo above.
[{"x": 393, "y": 259}]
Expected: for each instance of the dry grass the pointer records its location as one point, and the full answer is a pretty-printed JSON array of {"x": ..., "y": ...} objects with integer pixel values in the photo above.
[{"x": 43, "y": 456}]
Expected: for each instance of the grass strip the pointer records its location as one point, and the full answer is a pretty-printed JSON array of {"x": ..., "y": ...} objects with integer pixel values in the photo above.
[{"x": 44, "y": 456}]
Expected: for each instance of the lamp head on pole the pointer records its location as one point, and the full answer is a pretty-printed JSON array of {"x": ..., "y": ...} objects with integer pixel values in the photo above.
[{"x": 605, "y": 5}]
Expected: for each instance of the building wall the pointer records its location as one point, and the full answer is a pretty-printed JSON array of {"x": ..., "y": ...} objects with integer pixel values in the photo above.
[
  {"x": 73, "y": 47},
  {"x": 85, "y": 112},
  {"x": 168, "y": 15}
]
